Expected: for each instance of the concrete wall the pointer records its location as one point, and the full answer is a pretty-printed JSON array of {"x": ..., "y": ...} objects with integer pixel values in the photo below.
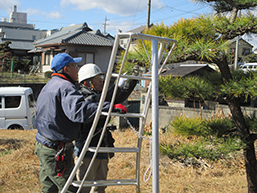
[
  {"x": 167, "y": 114},
  {"x": 23, "y": 34}
]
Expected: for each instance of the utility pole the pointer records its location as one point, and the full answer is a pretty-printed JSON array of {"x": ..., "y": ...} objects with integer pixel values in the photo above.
[
  {"x": 105, "y": 24},
  {"x": 148, "y": 13},
  {"x": 236, "y": 53},
  {"x": 237, "y": 48}
]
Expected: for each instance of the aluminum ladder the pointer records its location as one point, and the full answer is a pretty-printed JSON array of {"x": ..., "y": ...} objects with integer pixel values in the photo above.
[{"x": 161, "y": 49}]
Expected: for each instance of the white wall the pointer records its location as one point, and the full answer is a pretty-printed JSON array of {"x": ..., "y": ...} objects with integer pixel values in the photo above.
[
  {"x": 101, "y": 54},
  {"x": 22, "y": 34},
  {"x": 102, "y": 57}
]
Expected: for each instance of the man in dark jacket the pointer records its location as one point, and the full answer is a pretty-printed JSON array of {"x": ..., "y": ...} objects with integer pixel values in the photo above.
[
  {"x": 61, "y": 110},
  {"x": 91, "y": 85}
]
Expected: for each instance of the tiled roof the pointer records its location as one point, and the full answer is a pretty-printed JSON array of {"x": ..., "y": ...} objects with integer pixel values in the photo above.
[
  {"x": 75, "y": 35},
  {"x": 185, "y": 70},
  {"x": 138, "y": 29},
  {"x": 234, "y": 40},
  {"x": 89, "y": 39},
  {"x": 19, "y": 44}
]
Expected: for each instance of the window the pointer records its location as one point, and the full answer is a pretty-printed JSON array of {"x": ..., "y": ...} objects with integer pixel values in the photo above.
[
  {"x": 246, "y": 51},
  {"x": 33, "y": 37},
  {"x": 12, "y": 101},
  {"x": 31, "y": 101},
  {"x": 47, "y": 62},
  {"x": 89, "y": 58}
]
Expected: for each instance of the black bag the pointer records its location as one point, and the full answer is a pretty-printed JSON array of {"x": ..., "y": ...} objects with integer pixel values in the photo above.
[
  {"x": 60, "y": 158},
  {"x": 110, "y": 139}
]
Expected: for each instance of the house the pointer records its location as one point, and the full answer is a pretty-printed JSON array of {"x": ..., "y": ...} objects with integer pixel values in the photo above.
[
  {"x": 188, "y": 70},
  {"x": 20, "y": 33},
  {"x": 184, "y": 70},
  {"x": 77, "y": 41},
  {"x": 124, "y": 40},
  {"x": 244, "y": 48}
]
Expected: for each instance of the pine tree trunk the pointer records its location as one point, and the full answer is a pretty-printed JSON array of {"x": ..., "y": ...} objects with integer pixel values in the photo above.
[
  {"x": 251, "y": 168},
  {"x": 249, "y": 150}
]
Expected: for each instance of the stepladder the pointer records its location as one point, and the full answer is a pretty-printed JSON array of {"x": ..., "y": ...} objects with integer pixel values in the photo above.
[{"x": 157, "y": 51}]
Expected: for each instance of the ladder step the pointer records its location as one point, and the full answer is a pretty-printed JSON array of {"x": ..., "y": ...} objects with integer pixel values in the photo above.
[
  {"x": 136, "y": 115},
  {"x": 133, "y": 77},
  {"x": 115, "y": 149},
  {"x": 105, "y": 183}
]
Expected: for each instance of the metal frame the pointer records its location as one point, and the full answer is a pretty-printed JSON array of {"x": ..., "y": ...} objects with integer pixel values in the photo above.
[{"x": 157, "y": 57}]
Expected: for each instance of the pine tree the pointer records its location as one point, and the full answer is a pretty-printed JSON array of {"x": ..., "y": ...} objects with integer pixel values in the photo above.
[{"x": 205, "y": 39}]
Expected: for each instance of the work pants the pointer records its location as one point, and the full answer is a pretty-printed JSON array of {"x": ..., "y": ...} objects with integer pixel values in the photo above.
[
  {"x": 48, "y": 177},
  {"x": 98, "y": 171}
]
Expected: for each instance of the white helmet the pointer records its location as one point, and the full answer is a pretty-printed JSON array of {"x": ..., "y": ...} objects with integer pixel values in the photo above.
[{"x": 88, "y": 71}]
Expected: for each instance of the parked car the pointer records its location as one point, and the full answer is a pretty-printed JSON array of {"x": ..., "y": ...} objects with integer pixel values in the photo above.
[
  {"x": 248, "y": 66},
  {"x": 17, "y": 108}
]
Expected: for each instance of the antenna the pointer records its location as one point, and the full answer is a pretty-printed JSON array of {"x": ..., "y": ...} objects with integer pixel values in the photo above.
[{"x": 105, "y": 24}]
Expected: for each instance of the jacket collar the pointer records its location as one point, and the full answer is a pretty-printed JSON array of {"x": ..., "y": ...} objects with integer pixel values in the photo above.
[{"x": 64, "y": 76}]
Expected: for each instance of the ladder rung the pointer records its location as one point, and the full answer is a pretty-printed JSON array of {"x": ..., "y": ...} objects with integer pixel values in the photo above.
[
  {"x": 105, "y": 183},
  {"x": 133, "y": 77},
  {"x": 115, "y": 149},
  {"x": 124, "y": 115}
]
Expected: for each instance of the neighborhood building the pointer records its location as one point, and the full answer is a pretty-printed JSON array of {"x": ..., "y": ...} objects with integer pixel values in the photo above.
[
  {"x": 244, "y": 48},
  {"x": 124, "y": 41},
  {"x": 77, "y": 41},
  {"x": 21, "y": 34}
]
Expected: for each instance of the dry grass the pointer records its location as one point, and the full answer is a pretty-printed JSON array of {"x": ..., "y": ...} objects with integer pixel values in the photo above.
[{"x": 19, "y": 171}]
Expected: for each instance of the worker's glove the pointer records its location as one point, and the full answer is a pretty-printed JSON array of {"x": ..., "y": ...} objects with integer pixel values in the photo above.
[{"x": 119, "y": 108}]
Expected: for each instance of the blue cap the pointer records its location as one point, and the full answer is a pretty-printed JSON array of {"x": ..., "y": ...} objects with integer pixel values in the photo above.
[{"x": 61, "y": 60}]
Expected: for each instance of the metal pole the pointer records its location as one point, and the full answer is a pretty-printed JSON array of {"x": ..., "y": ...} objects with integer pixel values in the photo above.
[
  {"x": 11, "y": 67},
  {"x": 148, "y": 14},
  {"x": 155, "y": 116},
  {"x": 236, "y": 53}
]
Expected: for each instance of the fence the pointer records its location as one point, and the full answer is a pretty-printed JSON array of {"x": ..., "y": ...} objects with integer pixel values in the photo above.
[{"x": 21, "y": 78}]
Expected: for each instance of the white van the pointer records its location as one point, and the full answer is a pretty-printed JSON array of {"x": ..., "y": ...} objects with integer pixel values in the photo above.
[
  {"x": 248, "y": 66},
  {"x": 17, "y": 108}
]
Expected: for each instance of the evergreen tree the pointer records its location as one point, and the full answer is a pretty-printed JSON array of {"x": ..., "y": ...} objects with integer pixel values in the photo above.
[{"x": 205, "y": 39}]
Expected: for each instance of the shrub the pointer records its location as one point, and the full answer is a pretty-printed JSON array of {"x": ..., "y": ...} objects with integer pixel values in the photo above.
[
  {"x": 206, "y": 139},
  {"x": 220, "y": 126},
  {"x": 202, "y": 148},
  {"x": 48, "y": 74},
  {"x": 189, "y": 126}
]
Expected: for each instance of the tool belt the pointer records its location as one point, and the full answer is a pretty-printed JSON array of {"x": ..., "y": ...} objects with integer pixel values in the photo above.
[{"x": 61, "y": 160}]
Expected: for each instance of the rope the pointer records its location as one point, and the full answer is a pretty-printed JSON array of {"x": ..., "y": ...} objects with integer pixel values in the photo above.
[
  {"x": 150, "y": 150},
  {"x": 139, "y": 135},
  {"x": 150, "y": 165}
]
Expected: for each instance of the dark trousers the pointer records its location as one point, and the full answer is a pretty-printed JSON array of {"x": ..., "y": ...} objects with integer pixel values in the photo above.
[{"x": 48, "y": 177}]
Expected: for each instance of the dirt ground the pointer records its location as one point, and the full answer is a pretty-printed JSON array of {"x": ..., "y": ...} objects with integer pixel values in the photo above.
[{"x": 19, "y": 171}]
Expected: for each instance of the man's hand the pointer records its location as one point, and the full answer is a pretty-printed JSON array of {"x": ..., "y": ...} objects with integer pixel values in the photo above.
[{"x": 119, "y": 108}]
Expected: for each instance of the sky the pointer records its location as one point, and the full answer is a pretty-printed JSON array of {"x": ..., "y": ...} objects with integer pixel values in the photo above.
[{"x": 121, "y": 15}]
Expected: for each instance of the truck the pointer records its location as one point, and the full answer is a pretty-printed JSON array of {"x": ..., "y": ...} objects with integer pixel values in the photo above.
[{"x": 17, "y": 108}]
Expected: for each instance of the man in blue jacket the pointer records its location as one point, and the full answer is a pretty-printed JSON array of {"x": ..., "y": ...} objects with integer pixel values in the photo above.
[{"x": 61, "y": 110}]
